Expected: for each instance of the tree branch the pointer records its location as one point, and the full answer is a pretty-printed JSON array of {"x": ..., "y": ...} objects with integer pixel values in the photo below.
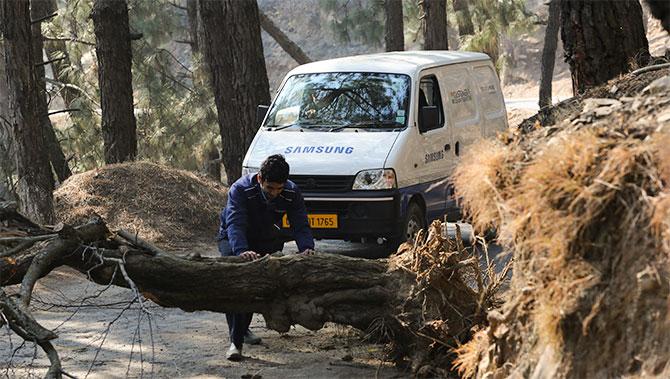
[
  {"x": 76, "y": 40},
  {"x": 63, "y": 111},
  {"x": 21, "y": 322},
  {"x": 139, "y": 242},
  {"x": 44, "y": 18},
  {"x": 49, "y": 61},
  {"x": 282, "y": 39},
  {"x": 55, "y": 370},
  {"x": 181, "y": 7},
  {"x": 33, "y": 239}
]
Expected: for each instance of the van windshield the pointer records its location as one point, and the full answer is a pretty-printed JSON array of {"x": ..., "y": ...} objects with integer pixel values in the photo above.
[{"x": 340, "y": 100}]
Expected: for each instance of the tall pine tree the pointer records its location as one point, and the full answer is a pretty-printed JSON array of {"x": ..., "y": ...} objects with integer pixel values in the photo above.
[{"x": 233, "y": 48}]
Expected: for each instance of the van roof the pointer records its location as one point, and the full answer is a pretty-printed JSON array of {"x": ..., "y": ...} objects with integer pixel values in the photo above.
[{"x": 398, "y": 62}]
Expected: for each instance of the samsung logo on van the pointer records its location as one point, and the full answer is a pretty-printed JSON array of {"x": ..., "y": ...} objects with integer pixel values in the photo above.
[
  {"x": 319, "y": 150},
  {"x": 460, "y": 96}
]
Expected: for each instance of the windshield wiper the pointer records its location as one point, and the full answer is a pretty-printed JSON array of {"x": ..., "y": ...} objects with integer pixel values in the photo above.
[
  {"x": 320, "y": 123},
  {"x": 274, "y": 128},
  {"x": 382, "y": 123}
]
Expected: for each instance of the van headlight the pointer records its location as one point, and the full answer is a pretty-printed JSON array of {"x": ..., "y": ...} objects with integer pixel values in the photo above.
[
  {"x": 378, "y": 179},
  {"x": 249, "y": 170}
]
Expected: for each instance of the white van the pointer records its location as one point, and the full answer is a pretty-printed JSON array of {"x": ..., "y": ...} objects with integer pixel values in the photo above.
[{"x": 372, "y": 140}]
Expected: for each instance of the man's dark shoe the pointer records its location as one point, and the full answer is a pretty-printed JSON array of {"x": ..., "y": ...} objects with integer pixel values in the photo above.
[{"x": 251, "y": 338}]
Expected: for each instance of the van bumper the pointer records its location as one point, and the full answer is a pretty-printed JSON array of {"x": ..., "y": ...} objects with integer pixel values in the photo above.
[{"x": 360, "y": 214}]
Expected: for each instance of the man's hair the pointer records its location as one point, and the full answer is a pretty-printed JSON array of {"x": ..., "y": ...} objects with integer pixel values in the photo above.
[{"x": 275, "y": 169}]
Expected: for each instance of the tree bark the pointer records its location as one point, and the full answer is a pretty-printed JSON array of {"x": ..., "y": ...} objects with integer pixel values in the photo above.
[
  {"x": 233, "y": 48},
  {"x": 38, "y": 10},
  {"x": 4, "y": 97},
  {"x": 193, "y": 25},
  {"x": 602, "y": 39},
  {"x": 6, "y": 162},
  {"x": 394, "y": 27},
  {"x": 112, "y": 46},
  {"x": 213, "y": 163},
  {"x": 282, "y": 39},
  {"x": 549, "y": 53},
  {"x": 464, "y": 18},
  {"x": 435, "y": 37},
  {"x": 35, "y": 182}
]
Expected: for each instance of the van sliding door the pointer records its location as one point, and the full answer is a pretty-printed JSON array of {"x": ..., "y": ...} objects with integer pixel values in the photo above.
[
  {"x": 462, "y": 108},
  {"x": 435, "y": 145}
]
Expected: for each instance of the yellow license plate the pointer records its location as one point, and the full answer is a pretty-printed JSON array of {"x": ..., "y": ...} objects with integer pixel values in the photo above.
[{"x": 316, "y": 221}]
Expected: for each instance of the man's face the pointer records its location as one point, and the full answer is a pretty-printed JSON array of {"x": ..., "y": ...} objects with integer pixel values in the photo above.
[{"x": 271, "y": 189}]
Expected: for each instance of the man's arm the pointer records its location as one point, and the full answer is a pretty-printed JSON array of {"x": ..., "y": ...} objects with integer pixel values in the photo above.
[
  {"x": 297, "y": 217},
  {"x": 236, "y": 220}
]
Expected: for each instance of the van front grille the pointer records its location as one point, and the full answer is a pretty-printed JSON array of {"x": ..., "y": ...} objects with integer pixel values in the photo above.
[{"x": 323, "y": 183}]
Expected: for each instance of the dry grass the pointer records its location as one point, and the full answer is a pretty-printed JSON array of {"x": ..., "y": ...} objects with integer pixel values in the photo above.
[
  {"x": 483, "y": 179},
  {"x": 164, "y": 205},
  {"x": 469, "y": 355},
  {"x": 585, "y": 206}
]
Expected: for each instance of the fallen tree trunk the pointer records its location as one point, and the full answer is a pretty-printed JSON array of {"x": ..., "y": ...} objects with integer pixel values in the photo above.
[
  {"x": 283, "y": 40},
  {"x": 287, "y": 290},
  {"x": 418, "y": 299}
]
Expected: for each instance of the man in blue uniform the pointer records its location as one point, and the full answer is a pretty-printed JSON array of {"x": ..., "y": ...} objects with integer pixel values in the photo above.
[{"x": 250, "y": 225}]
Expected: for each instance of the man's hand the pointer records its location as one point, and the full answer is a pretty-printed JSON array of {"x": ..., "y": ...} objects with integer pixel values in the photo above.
[
  {"x": 250, "y": 255},
  {"x": 307, "y": 252}
]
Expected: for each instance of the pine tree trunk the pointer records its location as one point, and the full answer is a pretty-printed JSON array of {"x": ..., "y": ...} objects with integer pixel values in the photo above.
[
  {"x": 395, "y": 30},
  {"x": 112, "y": 40},
  {"x": 282, "y": 39},
  {"x": 233, "y": 48},
  {"x": 435, "y": 37},
  {"x": 465, "y": 26},
  {"x": 192, "y": 14},
  {"x": 6, "y": 162},
  {"x": 213, "y": 164},
  {"x": 549, "y": 53},
  {"x": 4, "y": 110},
  {"x": 602, "y": 39},
  {"x": 38, "y": 10},
  {"x": 35, "y": 182}
]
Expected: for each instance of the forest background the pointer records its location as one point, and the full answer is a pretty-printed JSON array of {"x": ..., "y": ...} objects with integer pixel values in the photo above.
[{"x": 173, "y": 102}]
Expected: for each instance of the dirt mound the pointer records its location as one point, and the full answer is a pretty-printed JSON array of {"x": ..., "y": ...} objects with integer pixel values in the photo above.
[
  {"x": 164, "y": 205},
  {"x": 619, "y": 88},
  {"x": 585, "y": 206}
]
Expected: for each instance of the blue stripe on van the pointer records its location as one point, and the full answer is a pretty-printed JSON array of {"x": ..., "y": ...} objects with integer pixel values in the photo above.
[{"x": 433, "y": 193}]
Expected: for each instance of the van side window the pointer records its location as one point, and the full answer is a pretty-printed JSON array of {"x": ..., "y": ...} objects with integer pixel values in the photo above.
[{"x": 429, "y": 95}]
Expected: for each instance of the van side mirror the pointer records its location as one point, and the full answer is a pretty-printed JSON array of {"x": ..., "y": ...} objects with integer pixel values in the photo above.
[
  {"x": 429, "y": 118},
  {"x": 261, "y": 111}
]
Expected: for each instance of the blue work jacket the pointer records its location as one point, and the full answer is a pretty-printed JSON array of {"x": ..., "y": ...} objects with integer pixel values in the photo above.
[{"x": 250, "y": 222}]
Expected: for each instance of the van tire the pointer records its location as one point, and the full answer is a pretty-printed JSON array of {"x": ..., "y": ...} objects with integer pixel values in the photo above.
[{"x": 414, "y": 221}]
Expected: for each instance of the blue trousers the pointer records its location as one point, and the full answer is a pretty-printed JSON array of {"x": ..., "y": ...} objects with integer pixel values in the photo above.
[{"x": 238, "y": 323}]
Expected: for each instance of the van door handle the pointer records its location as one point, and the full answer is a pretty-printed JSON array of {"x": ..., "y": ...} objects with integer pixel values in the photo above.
[{"x": 447, "y": 147}]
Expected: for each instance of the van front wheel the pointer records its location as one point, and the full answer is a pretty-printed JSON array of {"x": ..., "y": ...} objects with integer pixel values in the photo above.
[{"x": 414, "y": 222}]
